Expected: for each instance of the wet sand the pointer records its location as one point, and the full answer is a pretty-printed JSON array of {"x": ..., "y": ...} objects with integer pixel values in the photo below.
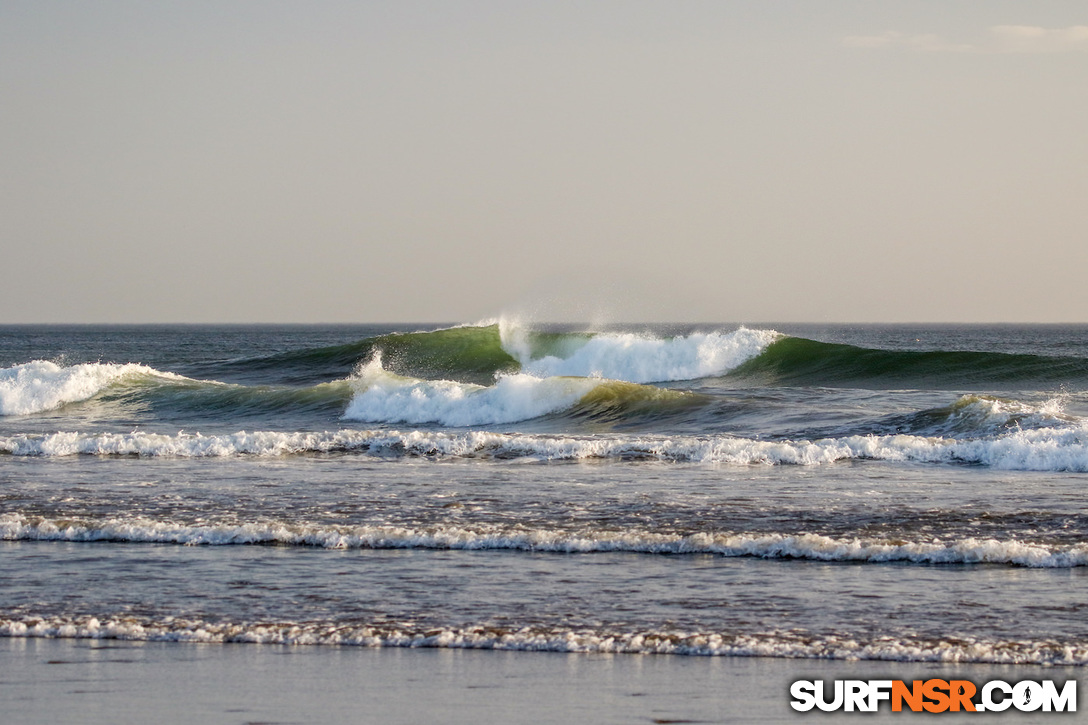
[{"x": 87, "y": 681}]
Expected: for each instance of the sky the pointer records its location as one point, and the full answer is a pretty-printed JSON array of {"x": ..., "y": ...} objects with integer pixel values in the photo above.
[{"x": 744, "y": 161}]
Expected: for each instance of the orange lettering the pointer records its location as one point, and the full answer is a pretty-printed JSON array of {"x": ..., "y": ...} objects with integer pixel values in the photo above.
[
  {"x": 913, "y": 695},
  {"x": 961, "y": 692},
  {"x": 931, "y": 689}
]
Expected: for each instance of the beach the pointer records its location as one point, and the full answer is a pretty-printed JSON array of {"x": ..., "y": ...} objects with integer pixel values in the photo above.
[{"x": 93, "y": 682}]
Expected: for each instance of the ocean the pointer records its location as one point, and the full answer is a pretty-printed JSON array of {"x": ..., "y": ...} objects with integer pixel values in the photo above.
[{"x": 849, "y": 492}]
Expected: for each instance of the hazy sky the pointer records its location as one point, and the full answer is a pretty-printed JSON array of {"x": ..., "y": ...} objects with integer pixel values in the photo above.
[{"x": 590, "y": 160}]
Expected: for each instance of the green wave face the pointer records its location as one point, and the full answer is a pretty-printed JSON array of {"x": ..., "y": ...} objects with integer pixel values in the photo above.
[
  {"x": 614, "y": 401},
  {"x": 798, "y": 361},
  {"x": 211, "y": 398},
  {"x": 464, "y": 354},
  {"x": 479, "y": 354}
]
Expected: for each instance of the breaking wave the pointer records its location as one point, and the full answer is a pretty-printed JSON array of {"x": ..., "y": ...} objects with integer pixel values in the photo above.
[
  {"x": 981, "y": 415},
  {"x": 478, "y": 353},
  {"x": 384, "y": 397},
  {"x": 643, "y": 359},
  {"x": 41, "y": 385},
  {"x": 501, "y": 373}
]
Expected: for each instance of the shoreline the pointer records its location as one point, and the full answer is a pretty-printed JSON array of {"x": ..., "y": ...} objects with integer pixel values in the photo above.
[{"x": 117, "y": 681}]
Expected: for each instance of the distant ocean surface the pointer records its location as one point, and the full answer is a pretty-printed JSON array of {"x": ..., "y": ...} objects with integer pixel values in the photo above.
[{"x": 913, "y": 493}]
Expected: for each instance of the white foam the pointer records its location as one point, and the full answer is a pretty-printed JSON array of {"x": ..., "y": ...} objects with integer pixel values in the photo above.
[
  {"x": 984, "y": 413},
  {"x": 774, "y": 643},
  {"x": 41, "y": 385},
  {"x": 548, "y": 384},
  {"x": 815, "y": 547},
  {"x": 383, "y": 397},
  {"x": 641, "y": 359},
  {"x": 1043, "y": 449},
  {"x": 187, "y": 445}
]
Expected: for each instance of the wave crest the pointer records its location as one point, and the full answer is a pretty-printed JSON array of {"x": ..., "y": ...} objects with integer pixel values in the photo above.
[
  {"x": 800, "y": 361},
  {"x": 642, "y": 359},
  {"x": 39, "y": 386}
]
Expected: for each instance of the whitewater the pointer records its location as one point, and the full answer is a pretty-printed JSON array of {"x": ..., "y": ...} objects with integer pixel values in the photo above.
[{"x": 911, "y": 493}]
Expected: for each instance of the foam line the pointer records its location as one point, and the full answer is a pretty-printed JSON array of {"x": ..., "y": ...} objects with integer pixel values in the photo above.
[
  {"x": 1043, "y": 449},
  {"x": 549, "y": 639},
  {"x": 813, "y": 547}
]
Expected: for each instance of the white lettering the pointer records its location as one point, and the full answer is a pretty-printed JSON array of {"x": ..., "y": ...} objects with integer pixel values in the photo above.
[
  {"x": 1027, "y": 696},
  {"x": 987, "y": 695},
  {"x": 856, "y": 695},
  {"x": 994, "y": 696},
  {"x": 879, "y": 690},
  {"x": 1066, "y": 701},
  {"x": 822, "y": 703},
  {"x": 804, "y": 695}
]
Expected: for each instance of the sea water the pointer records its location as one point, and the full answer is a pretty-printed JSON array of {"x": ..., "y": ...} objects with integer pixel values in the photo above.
[{"x": 912, "y": 493}]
